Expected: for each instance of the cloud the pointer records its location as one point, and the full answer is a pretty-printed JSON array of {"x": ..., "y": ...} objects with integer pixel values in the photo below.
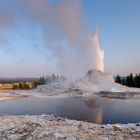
[
  {"x": 61, "y": 21},
  {"x": 3, "y": 41},
  {"x": 6, "y": 20},
  {"x": 65, "y": 36},
  {"x": 63, "y": 32},
  {"x": 5, "y": 45}
]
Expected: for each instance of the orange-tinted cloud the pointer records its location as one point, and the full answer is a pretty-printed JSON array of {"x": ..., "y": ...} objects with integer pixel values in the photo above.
[
  {"x": 64, "y": 30},
  {"x": 63, "y": 20},
  {"x": 6, "y": 19}
]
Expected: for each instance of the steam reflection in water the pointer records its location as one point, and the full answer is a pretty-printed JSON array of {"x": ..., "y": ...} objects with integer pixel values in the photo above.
[{"x": 92, "y": 109}]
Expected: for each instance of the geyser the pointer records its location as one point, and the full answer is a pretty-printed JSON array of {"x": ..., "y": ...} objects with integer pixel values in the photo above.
[
  {"x": 97, "y": 54},
  {"x": 72, "y": 49}
]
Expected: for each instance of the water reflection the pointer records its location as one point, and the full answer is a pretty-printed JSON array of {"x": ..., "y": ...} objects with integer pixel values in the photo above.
[
  {"x": 92, "y": 109},
  {"x": 82, "y": 109}
]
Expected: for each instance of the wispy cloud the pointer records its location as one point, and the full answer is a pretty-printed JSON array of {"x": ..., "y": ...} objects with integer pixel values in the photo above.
[
  {"x": 63, "y": 32},
  {"x": 6, "y": 20}
]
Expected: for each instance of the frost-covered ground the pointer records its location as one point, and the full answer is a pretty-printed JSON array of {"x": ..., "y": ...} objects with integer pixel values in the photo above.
[
  {"x": 48, "y": 127},
  {"x": 94, "y": 82}
]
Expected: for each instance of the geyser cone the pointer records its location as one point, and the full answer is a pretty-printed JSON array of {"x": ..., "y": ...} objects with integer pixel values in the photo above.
[{"x": 96, "y": 80}]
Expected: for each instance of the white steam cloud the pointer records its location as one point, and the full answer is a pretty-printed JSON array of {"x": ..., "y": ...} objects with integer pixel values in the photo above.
[
  {"x": 97, "y": 52},
  {"x": 65, "y": 35}
]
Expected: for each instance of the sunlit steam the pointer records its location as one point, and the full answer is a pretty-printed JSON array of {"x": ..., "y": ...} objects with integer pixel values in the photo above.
[
  {"x": 98, "y": 53},
  {"x": 65, "y": 35}
]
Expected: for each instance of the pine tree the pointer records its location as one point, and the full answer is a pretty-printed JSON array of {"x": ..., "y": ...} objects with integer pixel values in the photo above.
[
  {"x": 123, "y": 81},
  {"x": 139, "y": 81},
  {"x": 136, "y": 81},
  {"x": 20, "y": 86},
  {"x": 53, "y": 78},
  {"x": 41, "y": 80},
  {"x": 118, "y": 79},
  {"x": 35, "y": 84},
  {"x": 15, "y": 86},
  {"x": 131, "y": 80},
  {"x": 128, "y": 81}
]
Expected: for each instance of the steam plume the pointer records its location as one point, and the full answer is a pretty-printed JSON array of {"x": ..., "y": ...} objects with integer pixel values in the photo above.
[
  {"x": 98, "y": 52},
  {"x": 65, "y": 35}
]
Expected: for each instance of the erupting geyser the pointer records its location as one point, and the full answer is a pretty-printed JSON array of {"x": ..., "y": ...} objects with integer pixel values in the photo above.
[
  {"x": 72, "y": 51},
  {"x": 97, "y": 53}
]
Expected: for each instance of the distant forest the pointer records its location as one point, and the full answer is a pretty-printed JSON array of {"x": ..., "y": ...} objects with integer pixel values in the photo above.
[
  {"x": 30, "y": 83},
  {"x": 51, "y": 79},
  {"x": 130, "y": 80}
]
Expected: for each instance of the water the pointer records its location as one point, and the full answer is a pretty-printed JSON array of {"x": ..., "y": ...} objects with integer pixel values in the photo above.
[{"x": 92, "y": 109}]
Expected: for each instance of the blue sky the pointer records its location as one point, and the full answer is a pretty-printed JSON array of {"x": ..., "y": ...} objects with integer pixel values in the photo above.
[
  {"x": 119, "y": 23},
  {"x": 23, "y": 51}
]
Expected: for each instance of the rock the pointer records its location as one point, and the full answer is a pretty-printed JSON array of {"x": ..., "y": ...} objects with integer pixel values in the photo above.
[
  {"x": 137, "y": 124},
  {"x": 116, "y": 128}
]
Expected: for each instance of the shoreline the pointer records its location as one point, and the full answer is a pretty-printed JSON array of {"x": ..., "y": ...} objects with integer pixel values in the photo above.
[
  {"x": 11, "y": 97},
  {"x": 49, "y": 127}
]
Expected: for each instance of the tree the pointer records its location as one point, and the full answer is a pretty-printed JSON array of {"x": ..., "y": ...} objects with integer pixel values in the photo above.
[
  {"x": 139, "y": 81},
  {"x": 131, "y": 80},
  {"x": 53, "y": 78},
  {"x": 118, "y": 79},
  {"x": 15, "y": 86},
  {"x": 25, "y": 86},
  {"x": 136, "y": 81},
  {"x": 41, "y": 80},
  {"x": 35, "y": 84},
  {"x": 123, "y": 81},
  {"x": 20, "y": 86}
]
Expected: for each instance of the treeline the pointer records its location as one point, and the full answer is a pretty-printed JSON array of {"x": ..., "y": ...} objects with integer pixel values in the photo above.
[
  {"x": 34, "y": 82},
  {"x": 23, "y": 85},
  {"x": 16, "y": 80},
  {"x": 41, "y": 81},
  {"x": 130, "y": 80},
  {"x": 26, "y": 85},
  {"x": 51, "y": 79}
]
